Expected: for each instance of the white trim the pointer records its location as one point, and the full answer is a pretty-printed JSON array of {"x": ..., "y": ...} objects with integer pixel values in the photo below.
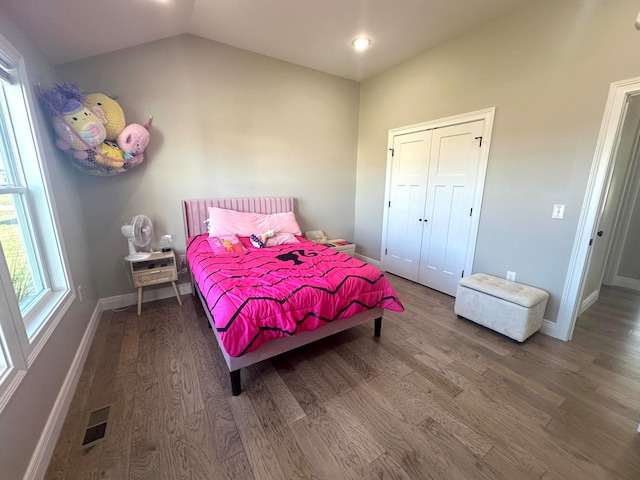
[
  {"x": 44, "y": 450},
  {"x": 600, "y": 171},
  {"x": 488, "y": 115},
  {"x": 56, "y": 314},
  {"x": 549, "y": 328},
  {"x": 590, "y": 300},
  {"x": 370, "y": 261},
  {"x": 625, "y": 282},
  {"x": 148, "y": 295},
  {"x": 10, "y": 382}
]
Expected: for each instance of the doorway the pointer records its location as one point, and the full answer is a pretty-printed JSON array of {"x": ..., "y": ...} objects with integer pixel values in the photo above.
[
  {"x": 596, "y": 195},
  {"x": 433, "y": 197},
  {"x": 613, "y": 258}
]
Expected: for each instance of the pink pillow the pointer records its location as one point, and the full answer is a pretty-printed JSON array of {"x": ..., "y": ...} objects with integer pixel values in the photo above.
[
  {"x": 243, "y": 224},
  {"x": 281, "y": 238},
  {"x": 225, "y": 244}
]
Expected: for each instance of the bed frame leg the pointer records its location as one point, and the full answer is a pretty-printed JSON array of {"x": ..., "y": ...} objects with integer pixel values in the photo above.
[
  {"x": 377, "y": 326},
  {"x": 236, "y": 388}
]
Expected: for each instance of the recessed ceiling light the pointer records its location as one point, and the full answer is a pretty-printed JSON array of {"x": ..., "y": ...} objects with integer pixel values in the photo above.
[{"x": 361, "y": 43}]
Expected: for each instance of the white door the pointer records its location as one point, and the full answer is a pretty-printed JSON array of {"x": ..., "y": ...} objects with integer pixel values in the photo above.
[
  {"x": 409, "y": 169},
  {"x": 453, "y": 170}
]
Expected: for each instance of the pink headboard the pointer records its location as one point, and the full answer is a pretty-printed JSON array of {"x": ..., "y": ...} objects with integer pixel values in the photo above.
[{"x": 195, "y": 212}]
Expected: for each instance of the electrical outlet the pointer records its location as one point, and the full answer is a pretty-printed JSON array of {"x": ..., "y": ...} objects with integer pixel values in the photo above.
[
  {"x": 511, "y": 275},
  {"x": 183, "y": 264},
  {"x": 79, "y": 289}
]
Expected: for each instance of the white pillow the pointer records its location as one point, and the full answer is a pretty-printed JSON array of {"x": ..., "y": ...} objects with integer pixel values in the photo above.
[{"x": 243, "y": 224}]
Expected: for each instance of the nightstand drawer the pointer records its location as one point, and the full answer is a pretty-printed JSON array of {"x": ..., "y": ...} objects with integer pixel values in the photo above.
[{"x": 151, "y": 277}]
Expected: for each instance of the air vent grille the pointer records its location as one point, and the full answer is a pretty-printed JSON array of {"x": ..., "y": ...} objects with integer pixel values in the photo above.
[{"x": 97, "y": 426}]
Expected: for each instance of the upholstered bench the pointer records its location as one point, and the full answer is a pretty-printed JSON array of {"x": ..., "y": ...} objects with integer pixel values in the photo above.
[{"x": 510, "y": 308}]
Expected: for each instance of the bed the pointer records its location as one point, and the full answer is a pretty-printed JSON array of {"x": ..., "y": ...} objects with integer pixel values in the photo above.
[{"x": 262, "y": 302}]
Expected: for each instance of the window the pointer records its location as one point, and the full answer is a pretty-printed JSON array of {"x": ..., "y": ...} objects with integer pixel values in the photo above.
[{"x": 35, "y": 285}]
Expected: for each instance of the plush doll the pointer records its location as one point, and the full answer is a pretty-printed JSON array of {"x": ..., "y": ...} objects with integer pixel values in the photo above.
[
  {"x": 81, "y": 131},
  {"x": 259, "y": 241},
  {"x": 77, "y": 127},
  {"x": 110, "y": 154},
  {"x": 101, "y": 104},
  {"x": 133, "y": 140}
]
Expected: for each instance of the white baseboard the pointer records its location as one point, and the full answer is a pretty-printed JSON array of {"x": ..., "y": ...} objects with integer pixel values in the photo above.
[
  {"x": 44, "y": 450},
  {"x": 587, "y": 302},
  {"x": 148, "y": 295},
  {"x": 550, "y": 328},
  {"x": 370, "y": 261},
  {"x": 625, "y": 282}
]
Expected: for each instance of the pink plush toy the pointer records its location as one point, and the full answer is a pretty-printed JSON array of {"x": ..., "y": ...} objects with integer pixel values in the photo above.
[{"x": 133, "y": 140}]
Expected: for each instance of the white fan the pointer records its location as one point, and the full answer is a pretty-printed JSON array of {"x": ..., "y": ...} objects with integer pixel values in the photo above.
[{"x": 139, "y": 234}]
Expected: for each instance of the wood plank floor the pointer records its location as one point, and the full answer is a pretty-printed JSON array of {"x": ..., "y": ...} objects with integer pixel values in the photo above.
[{"x": 435, "y": 397}]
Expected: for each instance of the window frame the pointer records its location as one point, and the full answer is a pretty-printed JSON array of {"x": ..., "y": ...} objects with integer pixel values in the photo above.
[{"x": 23, "y": 336}]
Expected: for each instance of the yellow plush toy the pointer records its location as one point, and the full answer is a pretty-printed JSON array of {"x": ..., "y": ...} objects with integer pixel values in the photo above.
[
  {"x": 110, "y": 154},
  {"x": 112, "y": 111}
]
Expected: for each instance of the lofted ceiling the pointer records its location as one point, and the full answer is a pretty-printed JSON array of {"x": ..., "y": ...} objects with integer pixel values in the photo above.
[{"x": 312, "y": 33}]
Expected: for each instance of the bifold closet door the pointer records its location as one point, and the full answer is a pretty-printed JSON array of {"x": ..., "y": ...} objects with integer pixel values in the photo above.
[
  {"x": 409, "y": 172},
  {"x": 453, "y": 172}
]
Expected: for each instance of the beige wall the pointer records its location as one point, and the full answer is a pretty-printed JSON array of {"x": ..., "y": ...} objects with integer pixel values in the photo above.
[
  {"x": 23, "y": 419},
  {"x": 547, "y": 70},
  {"x": 227, "y": 123}
]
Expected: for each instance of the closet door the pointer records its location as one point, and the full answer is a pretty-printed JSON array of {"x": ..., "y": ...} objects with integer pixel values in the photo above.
[
  {"x": 453, "y": 170},
  {"x": 409, "y": 169}
]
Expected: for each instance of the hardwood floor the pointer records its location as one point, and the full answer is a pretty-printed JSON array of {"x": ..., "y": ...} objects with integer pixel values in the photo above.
[{"x": 435, "y": 397}]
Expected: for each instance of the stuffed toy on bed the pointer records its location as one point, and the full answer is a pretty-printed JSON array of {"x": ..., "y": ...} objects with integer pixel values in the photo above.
[{"x": 259, "y": 241}]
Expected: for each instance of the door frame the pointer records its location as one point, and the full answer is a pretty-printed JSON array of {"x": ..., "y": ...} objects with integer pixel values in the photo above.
[
  {"x": 487, "y": 115},
  {"x": 595, "y": 196}
]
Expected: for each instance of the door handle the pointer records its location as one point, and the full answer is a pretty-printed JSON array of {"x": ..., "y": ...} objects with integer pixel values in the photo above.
[{"x": 600, "y": 232}]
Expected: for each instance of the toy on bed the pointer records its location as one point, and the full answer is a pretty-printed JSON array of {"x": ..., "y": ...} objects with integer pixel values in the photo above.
[
  {"x": 88, "y": 127},
  {"x": 259, "y": 241}
]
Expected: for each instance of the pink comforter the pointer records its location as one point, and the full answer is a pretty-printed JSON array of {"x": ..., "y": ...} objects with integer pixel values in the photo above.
[{"x": 261, "y": 294}]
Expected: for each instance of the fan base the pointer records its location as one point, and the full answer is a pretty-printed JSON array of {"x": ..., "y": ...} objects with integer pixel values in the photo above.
[{"x": 134, "y": 257}]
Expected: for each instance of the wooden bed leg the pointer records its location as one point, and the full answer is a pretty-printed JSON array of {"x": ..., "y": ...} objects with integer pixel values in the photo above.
[
  {"x": 377, "y": 326},
  {"x": 236, "y": 389}
]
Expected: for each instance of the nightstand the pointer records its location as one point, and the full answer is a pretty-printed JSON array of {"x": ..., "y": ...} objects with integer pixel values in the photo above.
[
  {"x": 342, "y": 246},
  {"x": 158, "y": 268}
]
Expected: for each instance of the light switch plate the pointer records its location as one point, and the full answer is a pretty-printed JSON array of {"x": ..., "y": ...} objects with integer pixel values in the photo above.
[{"x": 558, "y": 212}]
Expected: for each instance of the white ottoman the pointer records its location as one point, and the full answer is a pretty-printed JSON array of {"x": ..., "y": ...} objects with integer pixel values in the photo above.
[{"x": 510, "y": 308}]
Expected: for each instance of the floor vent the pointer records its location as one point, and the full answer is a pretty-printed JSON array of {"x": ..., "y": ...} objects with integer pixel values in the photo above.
[{"x": 97, "y": 426}]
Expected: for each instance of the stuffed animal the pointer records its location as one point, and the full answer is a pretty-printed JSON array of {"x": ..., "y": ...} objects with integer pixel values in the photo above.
[
  {"x": 77, "y": 127},
  {"x": 109, "y": 154},
  {"x": 81, "y": 131},
  {"x": 99, "y": 103},
  {"x": 259, "y": 241},
  {"x": 134, "y": 139}
]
